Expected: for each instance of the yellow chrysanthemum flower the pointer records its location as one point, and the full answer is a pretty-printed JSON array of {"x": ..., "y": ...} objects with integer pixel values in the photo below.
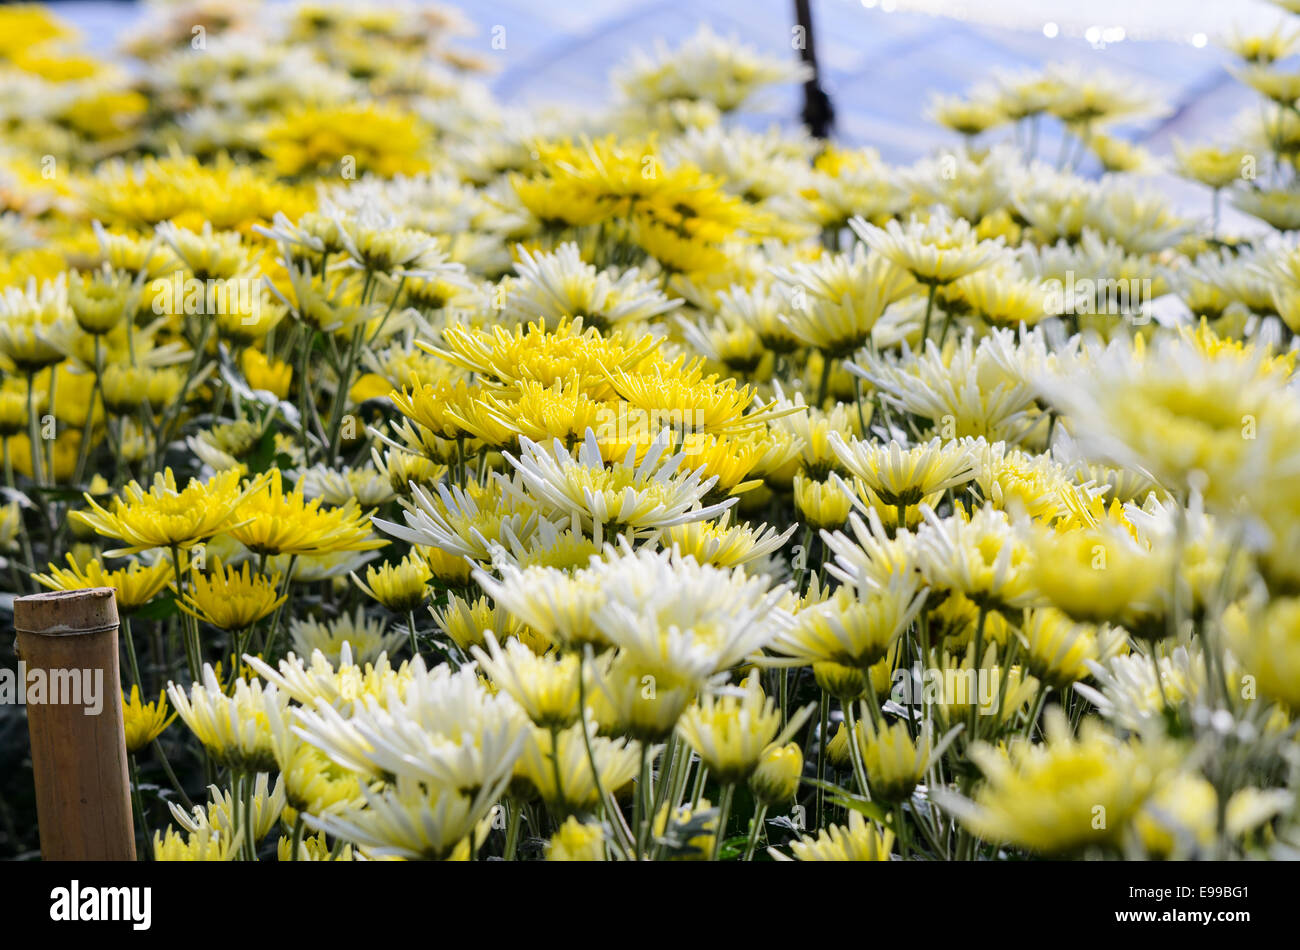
[
  {"x": 1065, "y": 795},
  {"x": 270, "y": 521},
  {"x": 860, "y": 841},
  {"x": 236, "y": 730},
  {"x": 545, "y": 687},
  {"x": 231, "y": 598},
  {"x": 144, "y": 722},
  {"x": 577, "y": 841},
  {"x": 731, "y": 730},
  {"x": 167, "y": 517},
  {"x": 135, "y": 584},
  {"x": 400, "y": 587},
  {"x": 894, "y": 762},
  {"x": 205, "y": 844},
  {"x": 377, "y": 139}
]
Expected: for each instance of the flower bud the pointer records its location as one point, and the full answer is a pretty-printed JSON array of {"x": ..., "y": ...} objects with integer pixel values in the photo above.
[{"x": 776, "y": 779}]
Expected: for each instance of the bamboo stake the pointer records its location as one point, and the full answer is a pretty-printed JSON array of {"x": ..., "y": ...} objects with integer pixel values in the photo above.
[{"x": 67, "y": 640}]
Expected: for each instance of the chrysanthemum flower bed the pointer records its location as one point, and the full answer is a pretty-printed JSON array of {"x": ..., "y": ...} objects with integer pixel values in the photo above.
[{"x": 485, "y": 483}]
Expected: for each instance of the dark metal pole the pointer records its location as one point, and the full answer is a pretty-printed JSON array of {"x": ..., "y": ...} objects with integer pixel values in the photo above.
[{"x": 818, "y": 114}]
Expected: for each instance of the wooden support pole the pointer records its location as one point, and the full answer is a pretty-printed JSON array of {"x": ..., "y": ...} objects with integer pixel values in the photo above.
[
  {"x": 67, "y": 641},
  {"x": 818, "y": 114}
]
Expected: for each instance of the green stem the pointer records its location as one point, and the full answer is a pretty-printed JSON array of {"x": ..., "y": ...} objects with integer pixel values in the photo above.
[
  {"x": 1028, "y": 734},
  {"x": 250, "y": 832},
  {"x": 855, "y": 751},
  {"x": 824, "y": 385},
  {"x": 560, "y": 807},
  {"x": 189, "y": 636},
  {"x": 130, "y": 654},
  {"x": 822, "y": 739},
  {"x": 639, "y": 820},
  {"x": 33, "y": 434},
  {"x": 415, "y": 647},
  {"x": 171, "y": 775},
  {"x": 173, "y": 411},
  {"x": 297, "y": 837},
  {"x": 512, "y": 829},
  {"x": 341, "y": 395},
  {"x": 83, "y": 453},
  {"x": 929, "y": 306},
  {"x": 275, "y": 619},
  {"x": 24, "y": 536},
  {"x": 979, "y": 658},
  {"x": 754, "y": 830},
  {"x": 857, "y": 400},
  {"x": 900, "y": 829},
  {"x": 621, "y": 830},
  {"x": 724, "y": 812},
  {"x": 701, "y": 776},
  {"x": 49, "y": 443},
  {"x": 669, "y": 764},
  {"x": 138, "y": 801}
]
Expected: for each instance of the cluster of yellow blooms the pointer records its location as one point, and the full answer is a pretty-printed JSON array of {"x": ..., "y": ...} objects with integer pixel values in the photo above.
[{"x": 486, "y": 483}]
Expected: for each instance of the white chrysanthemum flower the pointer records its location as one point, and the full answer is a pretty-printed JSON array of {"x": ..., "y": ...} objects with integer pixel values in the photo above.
[
  {"x": 430, "y": 202},
  {"x": 1218, "y": 419},
  {"x": 560, "y": 284},
  {"x": 970, "y": 186},
  {"x": 365, "y": 637},
  {"x": 836, "y": 300},
  {"x": 902, "y": 476},
  {"x": 617, "y": 762},
  {"x": 960, "y": 388},
  {"x": 855, "y": 629},
  {"x": 636, "y": 498},
  {"x": 337, "y": 486},
  {"x": 443, "y": 728},
  {"x": 937, "y": 251},
  {"x": 1128, "y": 695},
  {"x": 871, "y": 558},
  {"x": 341, "y": 685},
  {"x": 558, "y": 605},
  {"x": 984, "y": 557},
  {"x": 729, "y": 728},
  {"x": 1025, "y": 483},
  {"x": 545, "y": 687},
  {"x": 753, "y": 164},
  {"x": 455, "y": 524},
  {"x": 1026, "y": 354},
  {"x": 672, "y": 615},
  {"x": 412, "y": 820},
  {"x": 206, "y": 844},
  {"x": 761, "y": 308},
  {"x": 237, "y": 729},
  {"x": 723, "y": 544},
  {"x": 375, "y": 241},
  {"x": 1054, "y": 203},
  {"x": 220, "y": 814},
  {"x": 705, "y": 67}
]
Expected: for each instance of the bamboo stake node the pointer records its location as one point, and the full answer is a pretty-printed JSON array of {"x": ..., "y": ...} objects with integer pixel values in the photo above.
[{"x": 83, "y": 793}]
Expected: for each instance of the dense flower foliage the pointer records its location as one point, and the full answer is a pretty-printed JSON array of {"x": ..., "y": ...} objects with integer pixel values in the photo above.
[{"x": 487, "y": 482}]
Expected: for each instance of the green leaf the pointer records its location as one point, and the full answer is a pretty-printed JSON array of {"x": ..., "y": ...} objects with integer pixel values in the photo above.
[
  {"x": 264, "y": 456},
  {"x": 846, "y": 799},
  {"x": 160, "y": 608}
]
